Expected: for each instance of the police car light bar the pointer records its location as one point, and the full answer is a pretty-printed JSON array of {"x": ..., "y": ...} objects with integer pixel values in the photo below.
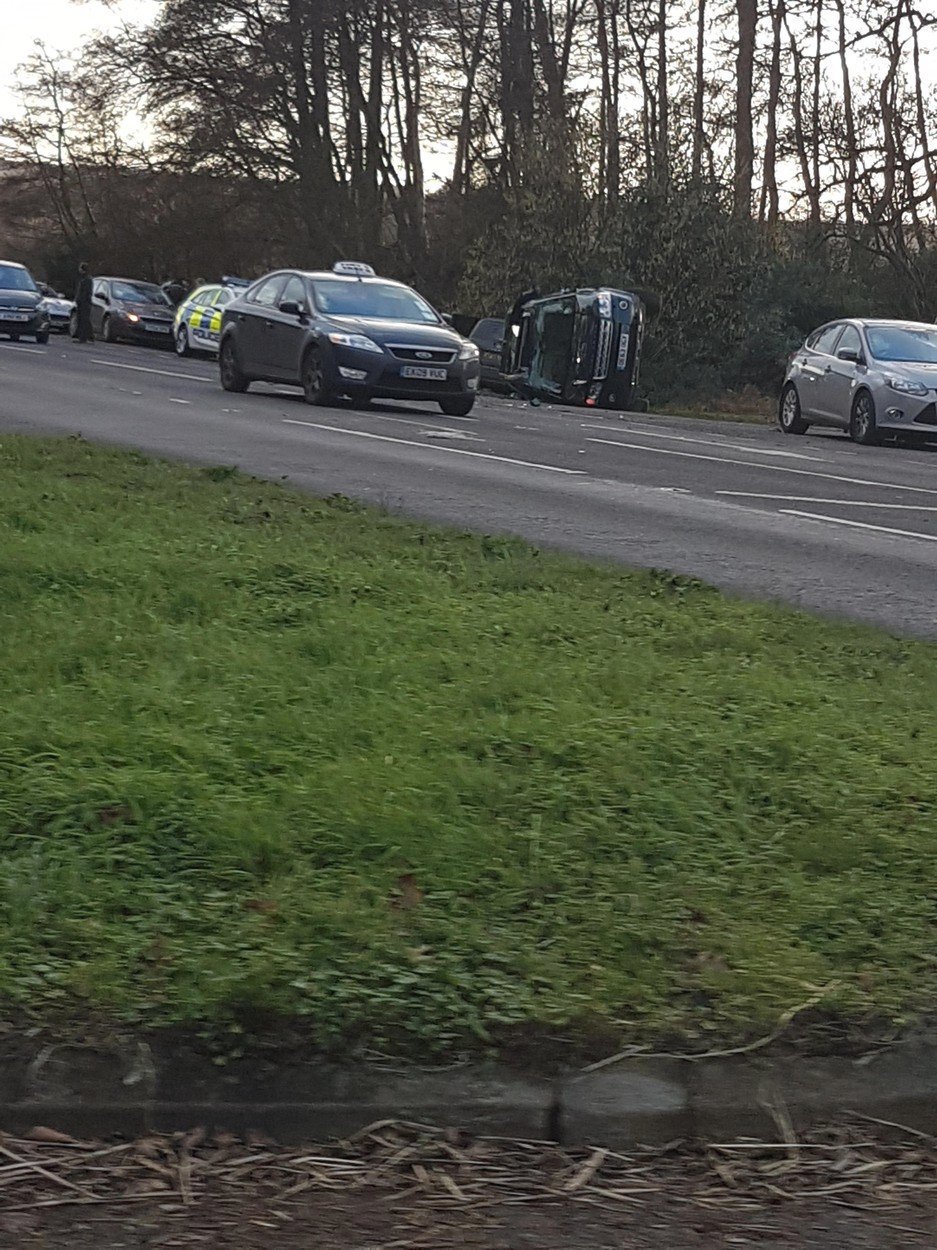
[
  {"x": 353, "y": 269},
  {"x": 229, "y": 280}
]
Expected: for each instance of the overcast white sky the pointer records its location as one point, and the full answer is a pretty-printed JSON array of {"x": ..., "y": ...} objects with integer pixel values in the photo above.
[{"x": 58, "y": 23}]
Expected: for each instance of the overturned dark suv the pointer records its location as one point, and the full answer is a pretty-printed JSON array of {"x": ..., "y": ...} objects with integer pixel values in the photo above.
[{"x": 346, "y": 332}]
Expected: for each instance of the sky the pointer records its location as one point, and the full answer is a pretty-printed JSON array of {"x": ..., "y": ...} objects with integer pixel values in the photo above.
[{"x": 60, "y": 24}]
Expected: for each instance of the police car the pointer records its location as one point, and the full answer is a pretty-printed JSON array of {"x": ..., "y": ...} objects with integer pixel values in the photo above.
[{"x": 197, "y": 327}]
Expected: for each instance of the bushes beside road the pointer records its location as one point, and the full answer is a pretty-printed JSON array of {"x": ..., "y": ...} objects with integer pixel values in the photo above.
[{"x": 267, "y": 756}]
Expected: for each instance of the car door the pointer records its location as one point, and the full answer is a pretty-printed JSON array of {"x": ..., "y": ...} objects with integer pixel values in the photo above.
[
  {"x": 254, "y": 322},
  {"x": 287, "y": 332},
  {"x": 815, "y": 361},
  {"x": 838, "y": 384},
  {"x": 100, "y": 297},
  {"x": 200, "y": 318}
]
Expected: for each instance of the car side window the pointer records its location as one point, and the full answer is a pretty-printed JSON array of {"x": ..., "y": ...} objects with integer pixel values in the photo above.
[
  {"x": 223, "y": 296},
  {"x": 850, "y": 341},
  {"x": 100, "y": 290},
  {"x": 267, "y": 295},
  {"x": 826, "y": 339},
  {"x": 206, "y": 297},
  {"x": 294, "y": 290}
]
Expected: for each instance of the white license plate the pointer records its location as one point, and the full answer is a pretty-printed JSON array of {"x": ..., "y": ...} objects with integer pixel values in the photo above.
[
  {"x": 421, "y": 371},
  {"x": 10, "y": 316},
  {"x": 623, "y": 350},
  {"x": 157, "y": 329}
]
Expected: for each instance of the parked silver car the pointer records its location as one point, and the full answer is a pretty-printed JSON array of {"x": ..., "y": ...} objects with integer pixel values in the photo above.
[{"x": 867, "y": 377}]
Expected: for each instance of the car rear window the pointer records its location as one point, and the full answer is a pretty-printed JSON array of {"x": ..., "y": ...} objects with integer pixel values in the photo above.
[{"x": 488, "y": 333}]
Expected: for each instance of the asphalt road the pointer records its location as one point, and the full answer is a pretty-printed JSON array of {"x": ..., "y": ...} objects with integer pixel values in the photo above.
[{"x": 813, "y": 521}]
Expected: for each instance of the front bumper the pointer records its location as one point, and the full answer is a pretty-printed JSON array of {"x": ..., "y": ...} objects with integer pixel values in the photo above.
[
  {"x": 13, "y": 323},
  {"x": 383, "y": 375},
  {"x": 917, "y": 414},
  {"x": 145, "y": 331}
]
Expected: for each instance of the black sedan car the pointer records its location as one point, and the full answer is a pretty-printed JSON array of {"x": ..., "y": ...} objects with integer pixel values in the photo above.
[
  {"x": 346, "y": 332},
  {"x": 127, "y": 309},
  {"x": 22, "y": 308},
  {"x": 488, "y": 337}
]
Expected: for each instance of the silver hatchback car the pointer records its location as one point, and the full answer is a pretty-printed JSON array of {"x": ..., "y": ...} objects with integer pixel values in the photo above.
[{"x": 867, "y": 377}]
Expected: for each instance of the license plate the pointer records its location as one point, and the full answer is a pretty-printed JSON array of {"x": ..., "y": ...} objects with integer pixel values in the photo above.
[
  {"x": 157, "y": 329},
  {"x": 623, "y": 350},
  {"x": 421, "y": 371},
  {"x": 11, "y": 316}
]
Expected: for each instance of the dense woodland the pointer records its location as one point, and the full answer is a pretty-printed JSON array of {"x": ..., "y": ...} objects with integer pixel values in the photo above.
[{"x": 756, "y": 165}]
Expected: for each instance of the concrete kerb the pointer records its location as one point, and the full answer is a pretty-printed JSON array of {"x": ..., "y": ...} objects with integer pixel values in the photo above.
[{"x": 133, "y": 1088}]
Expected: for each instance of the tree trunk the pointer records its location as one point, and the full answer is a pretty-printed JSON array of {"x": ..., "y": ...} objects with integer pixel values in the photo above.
[{"x": 747, "y": 14}]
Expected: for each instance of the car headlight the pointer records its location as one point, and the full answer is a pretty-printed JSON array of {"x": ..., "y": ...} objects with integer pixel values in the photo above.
[
  {"x": 132, "y": 317},
  {"x": 359, "y": 341},
  {"x": 906, "y": 387},
  {"x": 468, "y": 351}
]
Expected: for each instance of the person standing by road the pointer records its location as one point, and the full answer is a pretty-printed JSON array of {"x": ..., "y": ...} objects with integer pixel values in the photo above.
[{"x": 85, "y": 332}]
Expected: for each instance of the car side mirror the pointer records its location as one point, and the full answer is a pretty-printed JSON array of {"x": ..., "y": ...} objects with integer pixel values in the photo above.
[
  {"x": 292, "y": 308},
  {"x": 850, "y": 354}
]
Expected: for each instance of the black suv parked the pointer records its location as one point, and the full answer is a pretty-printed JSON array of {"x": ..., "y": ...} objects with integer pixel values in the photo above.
[{"x": 346, "y": 332}]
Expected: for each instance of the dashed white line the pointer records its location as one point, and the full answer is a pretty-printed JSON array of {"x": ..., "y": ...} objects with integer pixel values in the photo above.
[
  {"x": 839, "y": 503},
  {"x": 449, "y": 451},
  {"x": 715, "y": 442},
  {"x": 769, "y": 468},
  {"x": 859, "y": 525},
  {"x": 15, "y": 347},
  {"x": 179, "y": 401},
  {"x": 165, "y": 373}
]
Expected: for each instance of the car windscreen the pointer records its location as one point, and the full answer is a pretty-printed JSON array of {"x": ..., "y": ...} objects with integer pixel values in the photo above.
[
  {"x": 377, "y": 301},
  {"x": 905, "y": 344},
  {"x": 14, "y": 279},
  {"x": 488, "y": 334},
  {"x": 139, "y": 293}
]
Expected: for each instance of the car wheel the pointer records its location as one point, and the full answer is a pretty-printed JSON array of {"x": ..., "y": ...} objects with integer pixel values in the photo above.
[
  {"x": 232, "y": 377},
  {"x": 460, "y": 407},
  {"x": 315, "y": 382},
  {"x": 863, "y": 427},
  {"x": 107, "y": 331},
  {"x": 183, "y": 346},
  {"x": 789, "y": 418},
  {"x": 42, "y": 337}
]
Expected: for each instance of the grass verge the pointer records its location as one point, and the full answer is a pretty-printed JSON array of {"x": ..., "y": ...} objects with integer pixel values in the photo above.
[{"x": 267, "y": 756}]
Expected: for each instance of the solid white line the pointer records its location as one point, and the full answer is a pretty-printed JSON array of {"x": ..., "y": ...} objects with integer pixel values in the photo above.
[
  {"x": 15, "y": 347},
  {"x": 714, "y": 442},
  {"x": 452, "y": 451},
  {"x": 180, "y": 401},
  {"x": 165, "y": 373},
  {"x": 770, "y": 468},
  {"x": 859, "y": 525},
  {"x": 839, "y": 503}
]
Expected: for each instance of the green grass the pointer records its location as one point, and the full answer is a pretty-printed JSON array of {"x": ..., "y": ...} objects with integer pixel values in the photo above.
[{"x": 264, "y": 756}]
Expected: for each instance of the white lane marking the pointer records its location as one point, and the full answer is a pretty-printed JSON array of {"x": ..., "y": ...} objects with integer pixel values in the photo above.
[
  {"x": 716, "y": 442},
  {"x": 15, "y": 347},
  {"x": 165, "y": 373},
  {"x": 180, "y": 401},
  {"x": 450, "y": 451},
  {"x": 769, "y": 468},
  {"x": 839, "y": 503},
  {"x": 386, "y": 416},
  {"x": 859, "y": 525}
]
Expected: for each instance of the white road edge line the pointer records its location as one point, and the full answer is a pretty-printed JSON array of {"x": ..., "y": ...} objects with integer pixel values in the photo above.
[
  {"x": 714, "y": 442},
  {"x": 768, "y": 468},
  {"x": 164, "y": 373},
  {"x": 15, "y": 347},
  {"x": 452, "y": 451},
  {"x": 860, "y": 525},
  {"x": 839, "y": 503}
]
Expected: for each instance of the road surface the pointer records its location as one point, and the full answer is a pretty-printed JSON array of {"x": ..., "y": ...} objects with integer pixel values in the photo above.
[{"x": 814, "y": 522}]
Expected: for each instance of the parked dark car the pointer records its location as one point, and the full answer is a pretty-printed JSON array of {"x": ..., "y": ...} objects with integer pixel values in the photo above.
[
  {"x": 127, "y": 309},
  {"x": 346, "y": 332},
  {"x": 579, "y": 347},
  {"x": 22, "y": 308},
  {"x": 488, "y": 337}
]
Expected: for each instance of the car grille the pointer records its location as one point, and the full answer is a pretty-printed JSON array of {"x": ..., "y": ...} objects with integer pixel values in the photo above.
[
  {"x": 927, "y": 416},
  {"x": 421, "y": 355},
  {"x": 603, "y": 351}
]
